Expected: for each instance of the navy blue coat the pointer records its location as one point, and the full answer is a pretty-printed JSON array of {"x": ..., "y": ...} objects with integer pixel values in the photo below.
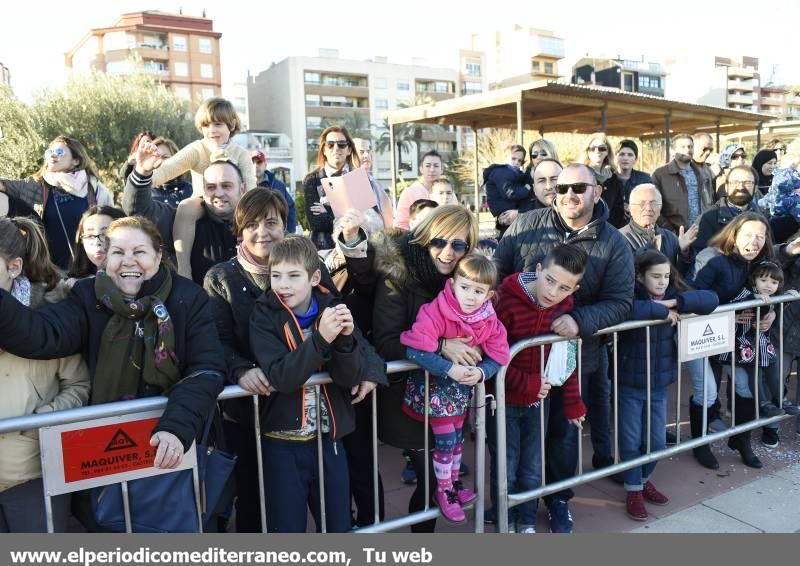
[
  {"x": 506, "y": 188},
  {"x": 663, "y": 348},
  {"x": 725, "y": 274}
]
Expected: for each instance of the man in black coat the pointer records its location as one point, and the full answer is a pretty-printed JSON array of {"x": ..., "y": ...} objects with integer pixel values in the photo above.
[
  {"x": 580, "y": 217},
  {"x": 214, "y": 241}
]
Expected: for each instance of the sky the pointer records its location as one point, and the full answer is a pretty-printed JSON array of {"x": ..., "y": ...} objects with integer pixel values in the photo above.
[{"x": 35, "y": 36}]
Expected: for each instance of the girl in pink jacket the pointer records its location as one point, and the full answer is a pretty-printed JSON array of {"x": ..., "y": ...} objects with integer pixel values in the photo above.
[{"x": 462, "y": 310}]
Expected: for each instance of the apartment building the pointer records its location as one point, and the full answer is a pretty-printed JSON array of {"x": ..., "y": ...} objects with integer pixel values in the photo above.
[
  {"x": 510, "y": 56},
  {"x": 180, "y": 51},
  {"x": 625, "y": 74},
  {"x": 299, "y": 96}
]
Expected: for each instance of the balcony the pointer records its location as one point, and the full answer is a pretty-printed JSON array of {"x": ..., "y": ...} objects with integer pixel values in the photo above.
[
  {"x": 549, "y": 47},
  {"x": 746, "y": 99},
  {"x": 333, "y": 90},
  {"x": 741, "y": 72},
  {"x": 769, "y": 101},
  {"x": 738, "y": 84}
]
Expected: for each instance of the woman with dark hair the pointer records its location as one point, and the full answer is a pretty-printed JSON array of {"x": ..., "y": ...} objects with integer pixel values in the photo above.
[
  {"x": 142, "y": 330},
  {"x": 598, "y": 156},
  {"x": 336, "y": 156},
  {"x": 765, "y": 162},
  {"x": 413, "y": 268},
  {"x": 32, "y": 386},
  {"x": 723, "y": 268},
  {"x": 90, "y": 241},
  {"x": 61, "y": 191}
]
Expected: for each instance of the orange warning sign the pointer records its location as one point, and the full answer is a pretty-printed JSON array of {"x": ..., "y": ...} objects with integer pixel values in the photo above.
[{"x": 106, "y": 450}]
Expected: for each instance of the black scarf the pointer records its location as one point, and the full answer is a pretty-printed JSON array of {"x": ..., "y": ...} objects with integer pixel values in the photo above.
[{"x": 422, "y": 269}]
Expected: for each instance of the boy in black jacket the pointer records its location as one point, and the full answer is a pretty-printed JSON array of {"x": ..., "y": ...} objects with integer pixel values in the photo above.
[{"x": 297, "y": 329}]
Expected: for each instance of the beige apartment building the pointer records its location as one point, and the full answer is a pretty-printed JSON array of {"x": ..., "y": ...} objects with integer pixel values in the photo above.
[{"x": 181, "y": 51}]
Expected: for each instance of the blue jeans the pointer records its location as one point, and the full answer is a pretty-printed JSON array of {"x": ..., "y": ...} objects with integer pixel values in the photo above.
[
  {"x": 291, "y": 482},
  {"x": 633, "y": 430},
  {"x": 439, "y": 366},
  {"x": 561, "y": 446},
  {"x": 696, "y": 369},
  {"x": 596, "y": 395},
  {"x": 523, "y": 457}
]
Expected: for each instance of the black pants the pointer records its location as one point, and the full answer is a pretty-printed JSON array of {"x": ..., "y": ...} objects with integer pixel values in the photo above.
[
  {"x": 358, "y": 445},
  {"x": 417, "y": 502}
]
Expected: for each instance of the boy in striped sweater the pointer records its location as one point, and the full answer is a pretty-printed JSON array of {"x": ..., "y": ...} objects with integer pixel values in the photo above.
[{"x": 528, "y": 304}]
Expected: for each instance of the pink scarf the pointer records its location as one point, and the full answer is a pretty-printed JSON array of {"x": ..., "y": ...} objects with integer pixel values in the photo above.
[{"x": 250, "y": 263}]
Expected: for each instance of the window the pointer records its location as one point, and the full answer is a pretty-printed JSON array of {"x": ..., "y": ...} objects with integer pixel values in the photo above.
[
  {"x": 312, "y": 78},
  {"x": 312, "y": 100},
  {"x": 205, "y": 45},
  {"x": 152, "y": 41},
  {"x": 381, "y": 104},
  {"x": 118, "y": 67},
  {"x": 441, "y": 86},
  {"x": 403, "y": 84},
  {"x": 548, "y": 68},
  {"x": 181, "y": 69},
  {"x": 206, "y": 71},
  {"x": 648, "y": 82},
  {"x": 207, "y": 93},
  {"x": 183, "y": 92},
  {"x": 473, "y": 69},
  {"x": 535, "y": 66},
  {"x": 313, "y": 122},
  {"x": 471, "y": 88},
  {"x": 380, "y": 83},
  {"x": 179, "y": 42}
]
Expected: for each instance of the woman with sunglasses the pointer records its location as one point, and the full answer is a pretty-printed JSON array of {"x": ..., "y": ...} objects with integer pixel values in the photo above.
[
  {"x": 599, "y": 157},
  {"x": 732, "y": 156},
  {"x": 337, "y": 155},
  {"x": 61, "y": 191},
  {"x": 412, "y": 268}
]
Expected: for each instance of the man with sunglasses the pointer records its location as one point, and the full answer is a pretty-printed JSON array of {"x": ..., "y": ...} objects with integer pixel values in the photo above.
[
  {"x": 580, "y": 217},
  {"x": 686, "y": 191},
  {"x": 703, "y": 148}
]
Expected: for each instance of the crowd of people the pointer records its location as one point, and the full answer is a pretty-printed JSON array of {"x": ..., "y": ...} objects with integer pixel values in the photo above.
[{"x": 191, "y": 286}]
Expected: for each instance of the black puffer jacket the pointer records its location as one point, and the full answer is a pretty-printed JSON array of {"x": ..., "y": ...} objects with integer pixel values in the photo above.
[
  {"x": 321, "y": 224},
  {"x": 606, "y": 291},
  {"x": 77, "y": 324},
  {"x": 506, "y": 188}
]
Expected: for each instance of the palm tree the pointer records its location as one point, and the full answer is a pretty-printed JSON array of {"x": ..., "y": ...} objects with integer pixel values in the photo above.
[{"x": 356, "y": 123}]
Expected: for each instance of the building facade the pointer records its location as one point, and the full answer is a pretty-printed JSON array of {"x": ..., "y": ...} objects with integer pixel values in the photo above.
[
  {"x": 5, "y": 75},
  {"x": 180, "y": 51},
  {"x": 625, "y": 74},
  {"x": 300, "y": 96}
]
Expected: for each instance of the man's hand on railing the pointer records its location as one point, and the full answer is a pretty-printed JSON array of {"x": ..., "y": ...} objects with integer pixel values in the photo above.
[
  {"x": 361, "y": 391},
  {"x": 565, "y": 326},
  {"x": 254, "y": 381},
  {"x": 170, "y": 450},
  {"x": 459, "y": 352}
]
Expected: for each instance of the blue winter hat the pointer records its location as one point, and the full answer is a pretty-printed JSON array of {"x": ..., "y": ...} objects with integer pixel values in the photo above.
[{"x": 725, "y": 156}]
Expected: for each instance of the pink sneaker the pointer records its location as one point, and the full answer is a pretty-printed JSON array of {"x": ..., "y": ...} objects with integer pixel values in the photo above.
[
  {"x": 447, "y": 501},
  {"x": 465, "y": 496}
]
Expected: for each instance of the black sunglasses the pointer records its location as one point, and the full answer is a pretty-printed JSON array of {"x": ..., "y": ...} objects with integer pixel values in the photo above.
[
  {"x": 459, "y": 246},
  {"x": 739, "y": 156},
  {"x": 341, "y": 144},
  {"x": 538, "y": 154},
  {"x": 577, "y": 188}
]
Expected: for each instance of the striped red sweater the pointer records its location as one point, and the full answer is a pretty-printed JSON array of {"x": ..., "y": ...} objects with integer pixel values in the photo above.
[{"x": 524, "y": 318}]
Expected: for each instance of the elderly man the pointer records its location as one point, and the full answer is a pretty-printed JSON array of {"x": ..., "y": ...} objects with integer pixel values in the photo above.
[
  {"x": 685, "y": 190},
  {"x": 579, "y": 217},
  {"x": 643, "y": 233},
  {"x": 223, "y": 186}
]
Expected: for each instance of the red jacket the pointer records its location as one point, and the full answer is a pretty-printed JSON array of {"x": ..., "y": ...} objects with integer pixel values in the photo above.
[{"x": 524, "y": 318}]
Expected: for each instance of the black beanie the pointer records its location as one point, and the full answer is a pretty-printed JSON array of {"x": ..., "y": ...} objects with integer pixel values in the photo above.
[{"x": 630, "y": 144}]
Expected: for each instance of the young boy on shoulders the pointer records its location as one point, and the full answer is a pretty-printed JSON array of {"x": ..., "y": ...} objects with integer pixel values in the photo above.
[{"x": 297, "y": 329}]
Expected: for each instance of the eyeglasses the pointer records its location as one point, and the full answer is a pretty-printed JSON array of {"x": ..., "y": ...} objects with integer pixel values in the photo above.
[
  {"x": 459, "y": 246},
  {"x": 745, "y": 184},
  {"x": 781, "y": 149},
  {"x": 59, "y": 151},
  {"x": 538, "y": 154},
  {"x": 341, "y": 144},
  {"x": 649, "y": 203},
  {"x": 708, "y": 149},
  {"x": 99, "y": 238},
  {"x": 577, "y": 188},
  {"x": 738, "y": 156},
  {"x": 599, "y": 148}
]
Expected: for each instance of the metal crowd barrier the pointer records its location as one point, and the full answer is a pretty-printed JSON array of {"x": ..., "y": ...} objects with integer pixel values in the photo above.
[{"x": 506, "y": 500}]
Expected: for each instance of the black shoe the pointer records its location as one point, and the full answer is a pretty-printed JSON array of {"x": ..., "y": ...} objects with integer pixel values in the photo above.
[
  {"x": 741, "y": 443},
  {"x": 463, "y": 470},
  {"x": 618, "y": 478},
  {"x": 769, "y": 438},
  {"x": 702, "y": 454},
  {"x": 769, "y": 410},
  {"x": 672, "y": 438}
]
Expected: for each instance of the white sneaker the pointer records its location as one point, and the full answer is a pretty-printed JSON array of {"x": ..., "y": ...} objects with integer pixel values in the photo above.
[{"x": 528, "y": 531}]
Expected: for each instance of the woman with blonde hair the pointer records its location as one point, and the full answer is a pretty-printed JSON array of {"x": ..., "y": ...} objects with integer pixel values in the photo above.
[
  {"x": 412, "y": 268},
  {"x": 61, "y": 191},
  {"x": 600, "y": 158},
  {"x": 31, "y": 386}
]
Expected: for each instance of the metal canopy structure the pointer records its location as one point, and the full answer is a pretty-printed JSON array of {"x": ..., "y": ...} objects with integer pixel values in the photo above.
[{"x": 557, "y": 107}]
